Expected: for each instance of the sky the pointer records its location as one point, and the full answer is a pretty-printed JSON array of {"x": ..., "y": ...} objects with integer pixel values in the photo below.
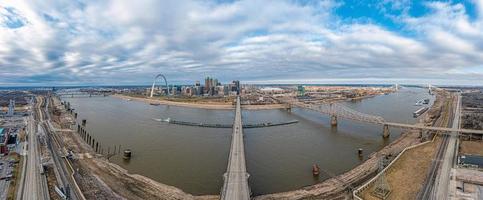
[{"x": 125, "y": 42}]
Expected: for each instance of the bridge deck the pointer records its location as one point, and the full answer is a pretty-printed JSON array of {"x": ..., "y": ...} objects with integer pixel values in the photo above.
[
  {"x": 410, "y": 126},
  {"x": 348, "y": 113},
  {"x": 236, "y": 186}
]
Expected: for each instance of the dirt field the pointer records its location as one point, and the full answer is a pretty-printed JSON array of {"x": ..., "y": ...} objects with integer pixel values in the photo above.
[
  {"x": 405, "y": 185},
  {"x": 14, "y": 183},
  {"x": 51, "y": 183},
  {"x": 471, "y": 147},
  {"x": 407, "y": 175}
]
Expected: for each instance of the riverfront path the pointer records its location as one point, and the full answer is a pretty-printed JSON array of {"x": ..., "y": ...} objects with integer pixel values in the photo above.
[{"x": 235, "y": 186}]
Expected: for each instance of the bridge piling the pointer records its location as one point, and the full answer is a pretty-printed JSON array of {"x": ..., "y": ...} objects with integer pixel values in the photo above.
[
  {"x": 333, "y": 120},
  {"x": 289, "y": 108},
  {"x": 385, "y": 132}
]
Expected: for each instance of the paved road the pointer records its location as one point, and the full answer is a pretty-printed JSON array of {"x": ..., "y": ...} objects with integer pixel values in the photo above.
[
  {"x": 236, "y": 186},
  {"x": 33, "y": 188},
  {"x": 443, "y": 178},
  {"x": 434, "y": 128}
]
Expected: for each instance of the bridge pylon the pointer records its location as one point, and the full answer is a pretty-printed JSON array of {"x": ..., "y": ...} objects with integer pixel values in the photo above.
[{"x": 385, "y": 131}]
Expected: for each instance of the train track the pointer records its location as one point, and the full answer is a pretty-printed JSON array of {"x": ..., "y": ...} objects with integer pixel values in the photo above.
[{"x": 427, "y": 192}]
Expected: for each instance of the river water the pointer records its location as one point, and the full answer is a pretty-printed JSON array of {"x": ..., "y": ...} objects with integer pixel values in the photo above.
[{"x": 278, "y": 158}]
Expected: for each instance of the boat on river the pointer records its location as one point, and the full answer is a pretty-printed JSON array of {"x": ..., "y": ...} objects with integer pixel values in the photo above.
[{"x": 419, "y": 112}]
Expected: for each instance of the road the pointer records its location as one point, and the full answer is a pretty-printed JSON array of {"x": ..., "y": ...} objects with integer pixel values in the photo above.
[
  {"x": 433, "y": 128},
  {"x": 448, "y": 159},
  {"x": 437, "y": 181},
  {"x": 236, "y": 186},
  {"x": 33, "y": 184}
]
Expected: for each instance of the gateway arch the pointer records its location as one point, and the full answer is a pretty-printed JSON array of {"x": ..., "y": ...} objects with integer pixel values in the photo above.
[{"x": 154, "y": 83}]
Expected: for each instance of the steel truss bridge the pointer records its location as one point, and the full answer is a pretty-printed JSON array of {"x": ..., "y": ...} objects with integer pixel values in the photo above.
[
  {"x": 81, "y": 94},
  {"x": 340, "y": 111}
]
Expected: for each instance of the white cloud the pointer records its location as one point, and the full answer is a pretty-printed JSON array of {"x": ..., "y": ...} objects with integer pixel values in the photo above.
[{"x": 120, "y": 42}]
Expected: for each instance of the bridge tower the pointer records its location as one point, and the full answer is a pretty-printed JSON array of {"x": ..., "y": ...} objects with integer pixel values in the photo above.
[{"x": 385, "y": 131}]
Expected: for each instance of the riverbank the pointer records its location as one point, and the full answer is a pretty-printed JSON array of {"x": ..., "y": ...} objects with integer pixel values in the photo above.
[
  {"x": 100, "y": 179},
  {"x": 122, "y": 176},
  {"x": 200, "y": 105},
  {"x": 338, "y": 187}
]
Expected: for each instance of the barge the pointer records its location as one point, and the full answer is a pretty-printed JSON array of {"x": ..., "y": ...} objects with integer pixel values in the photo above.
[
  {"x": 207, "y": 125},
  {"x": 419, "y": 112}
]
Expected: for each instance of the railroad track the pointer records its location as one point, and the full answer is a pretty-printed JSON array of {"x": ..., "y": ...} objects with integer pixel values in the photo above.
[{"x": 427, "y": 192}]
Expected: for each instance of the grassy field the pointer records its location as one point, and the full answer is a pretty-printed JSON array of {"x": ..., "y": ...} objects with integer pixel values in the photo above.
[{"x": 14, "y": 183}]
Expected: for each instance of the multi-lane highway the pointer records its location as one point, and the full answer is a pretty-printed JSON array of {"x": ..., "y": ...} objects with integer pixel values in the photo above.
[
  {"x": 437, "y": 181},
  {"x": 236, "y": 186},
  {"x": 448, "y": 158},
  {"x": 34, "y": 186}
]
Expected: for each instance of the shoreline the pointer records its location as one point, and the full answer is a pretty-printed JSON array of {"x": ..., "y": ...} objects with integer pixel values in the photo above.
[
  {"x": 332, "y": 188},
  {"x": 199, "y": 105},
  {"x": 328, "y": 188}
]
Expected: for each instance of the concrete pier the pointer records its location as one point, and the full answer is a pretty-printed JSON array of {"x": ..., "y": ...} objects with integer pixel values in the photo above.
[
  {"x": 289, "y": 108},
  {"x": 385, "y": 132},
  {"x": 333, "y": 120}
]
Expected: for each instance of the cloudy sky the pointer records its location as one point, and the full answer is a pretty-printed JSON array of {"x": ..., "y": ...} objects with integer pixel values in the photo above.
[{"x": 82, "y": 42}]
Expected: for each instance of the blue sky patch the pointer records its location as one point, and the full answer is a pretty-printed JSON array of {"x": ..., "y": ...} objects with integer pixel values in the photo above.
[{"x": 11, "y": 18}]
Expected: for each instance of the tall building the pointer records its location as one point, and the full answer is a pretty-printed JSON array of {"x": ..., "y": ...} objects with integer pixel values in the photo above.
[
  {"x": 208, "y": 85},
  {"x": 236, "y": 85},
  {"x": 300, "y": 90},
  {"x": 11, "y": 108}
]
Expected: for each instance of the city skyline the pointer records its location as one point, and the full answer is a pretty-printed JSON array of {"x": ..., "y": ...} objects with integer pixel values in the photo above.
[{"x": 256, "y": 42}]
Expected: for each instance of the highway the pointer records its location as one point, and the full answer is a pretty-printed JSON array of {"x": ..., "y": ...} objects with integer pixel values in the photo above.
[
  {"x": 33, "y": 183},
  {"x": 235, "y": 185},
  {"x": 437, "y": 181},
  {"x": 448, "y": 159},
  {"x": 433, "y": 128}
]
